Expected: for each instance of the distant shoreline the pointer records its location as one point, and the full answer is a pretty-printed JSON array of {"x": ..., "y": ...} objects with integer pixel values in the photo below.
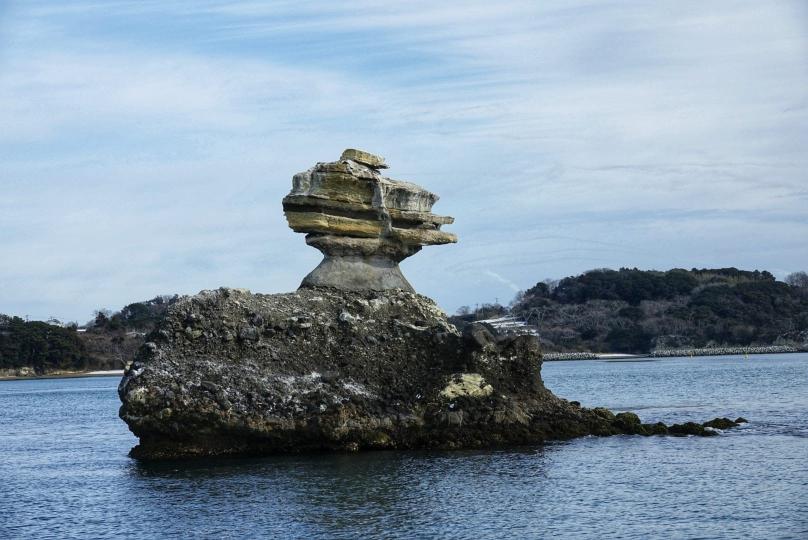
[
  {"x": 548, "y": 357},
  {"x": 69, "y": 375},
  {"x": 670, "y": 353}
]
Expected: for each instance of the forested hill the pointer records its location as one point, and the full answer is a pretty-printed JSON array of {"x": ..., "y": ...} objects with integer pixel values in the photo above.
[
  {"x": 106, "y": 342},
  {"x": 626, "y": 310},
  {"x": 631, "y": 310},
  {"x": 40, "y": 347}
]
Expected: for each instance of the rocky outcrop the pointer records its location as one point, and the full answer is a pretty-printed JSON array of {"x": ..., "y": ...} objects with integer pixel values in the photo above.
[
  {"x": 363, "y": 223},
  {"x": 354, "y": 359},
  {"x": 320, "y": 369},
  {"x": 231, "y": 372}
]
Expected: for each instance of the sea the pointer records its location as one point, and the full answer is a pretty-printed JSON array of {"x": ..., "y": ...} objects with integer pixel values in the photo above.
[{"x": 65, "y": 473}]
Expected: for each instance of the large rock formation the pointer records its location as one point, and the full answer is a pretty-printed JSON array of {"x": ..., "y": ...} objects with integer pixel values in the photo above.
[
  {"x": 353, "y": 359},
  {"x": 362, "y": 222}
]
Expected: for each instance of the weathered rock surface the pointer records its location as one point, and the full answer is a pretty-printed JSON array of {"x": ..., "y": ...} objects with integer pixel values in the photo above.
[
  {"x": 231, "y": 372},
  {"x": 354, "y": 359},
  {"x": 365, "y": 158},
  {"x": 362, "y": 222}
]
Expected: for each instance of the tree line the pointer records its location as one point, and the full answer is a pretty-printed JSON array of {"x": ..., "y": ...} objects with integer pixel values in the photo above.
[
  {"x": 636, "y": 311},
  {"x": 105, "y": 342},
  {"x": 42, "y": 346}
]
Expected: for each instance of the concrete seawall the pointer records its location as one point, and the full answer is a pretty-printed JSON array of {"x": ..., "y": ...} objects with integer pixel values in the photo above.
[
  {"x": 719, "y": 351},
  {"x": 667, "y": 353}
]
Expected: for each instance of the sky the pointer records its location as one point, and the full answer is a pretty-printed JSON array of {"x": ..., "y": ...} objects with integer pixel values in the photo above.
[{"x": 145, "y": 146}]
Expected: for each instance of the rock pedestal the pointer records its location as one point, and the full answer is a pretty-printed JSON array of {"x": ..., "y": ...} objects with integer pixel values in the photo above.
[
  {"x": 352, "y": 360},
  {"x": 363, "y": 223}
]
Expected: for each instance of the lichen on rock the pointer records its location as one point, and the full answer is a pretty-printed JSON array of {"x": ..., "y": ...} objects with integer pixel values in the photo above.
[{"x": 467, "y": 384}]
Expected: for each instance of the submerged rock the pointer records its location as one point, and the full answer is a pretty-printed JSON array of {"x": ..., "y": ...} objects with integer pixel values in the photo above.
[
  {"x": 690, "y": 428},
  {"x": 724, "y": 423}
]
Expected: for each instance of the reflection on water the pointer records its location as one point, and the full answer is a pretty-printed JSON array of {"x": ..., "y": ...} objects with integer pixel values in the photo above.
[
  {"x": 331, "y": 495},
  {"x": 65, "y": 473}
]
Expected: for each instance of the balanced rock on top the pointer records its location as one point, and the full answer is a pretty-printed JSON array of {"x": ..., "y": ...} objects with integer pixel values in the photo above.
[{"x": 363, "y": 223}]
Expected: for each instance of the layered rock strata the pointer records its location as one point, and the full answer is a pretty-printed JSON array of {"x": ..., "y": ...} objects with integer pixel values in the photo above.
[{"x": 363, "y": 223}]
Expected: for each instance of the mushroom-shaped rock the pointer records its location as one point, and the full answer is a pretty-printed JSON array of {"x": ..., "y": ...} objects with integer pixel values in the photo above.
[
  {"x": 363, "y": 223},
  {"x": 349, "y": 361}
]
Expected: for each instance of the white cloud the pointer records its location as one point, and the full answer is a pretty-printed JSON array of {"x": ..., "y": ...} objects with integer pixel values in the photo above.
[
  {"x": 562, "y": 137},
  {"x": 505, "y": 281}
]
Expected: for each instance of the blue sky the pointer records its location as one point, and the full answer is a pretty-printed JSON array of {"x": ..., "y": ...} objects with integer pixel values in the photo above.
[{"x": 145, "y": 146}]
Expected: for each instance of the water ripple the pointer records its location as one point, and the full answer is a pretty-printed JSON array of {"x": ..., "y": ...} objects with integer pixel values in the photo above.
[{"x": 65, "y": 473}]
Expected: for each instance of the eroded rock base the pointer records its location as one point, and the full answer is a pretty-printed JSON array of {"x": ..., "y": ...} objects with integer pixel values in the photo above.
[
  {"x": 358, "y": 273},
  {"x": 229, "y": 372}
]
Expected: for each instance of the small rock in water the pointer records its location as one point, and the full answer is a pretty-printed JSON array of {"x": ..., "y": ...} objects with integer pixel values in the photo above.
[
  {"x": 690, "y": 428},
  {"x": 720, "y": 423},
  {"x": 628, "y": 420}
]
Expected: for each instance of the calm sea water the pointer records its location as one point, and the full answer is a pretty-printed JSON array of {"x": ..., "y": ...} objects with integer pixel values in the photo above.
[{"x": 64, "y": 472}]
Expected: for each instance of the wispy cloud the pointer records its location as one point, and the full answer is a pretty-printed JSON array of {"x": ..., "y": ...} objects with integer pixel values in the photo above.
[
  {"x": 144, "y": 146},
  {"x": 504, "y": 281}
]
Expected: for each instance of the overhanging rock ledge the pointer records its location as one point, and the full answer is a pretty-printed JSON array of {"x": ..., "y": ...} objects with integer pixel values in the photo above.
[{"x": 363, "y": 223}]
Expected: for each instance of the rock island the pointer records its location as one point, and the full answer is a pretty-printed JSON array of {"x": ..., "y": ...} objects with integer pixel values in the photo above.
[{"x": 355, "y": 359}]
